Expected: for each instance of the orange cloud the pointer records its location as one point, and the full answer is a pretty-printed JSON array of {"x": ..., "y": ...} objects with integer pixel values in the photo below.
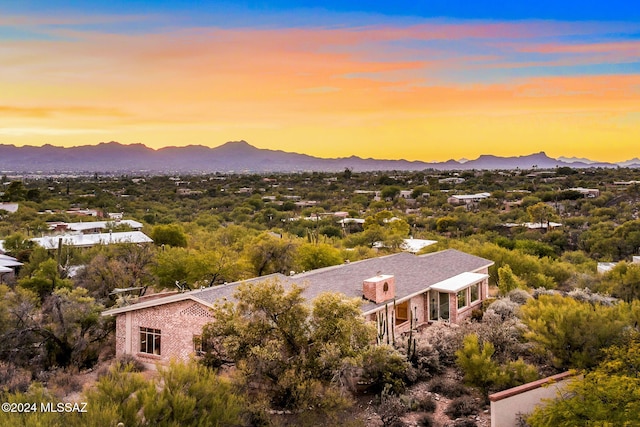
[{"x": 342, "y": 91}]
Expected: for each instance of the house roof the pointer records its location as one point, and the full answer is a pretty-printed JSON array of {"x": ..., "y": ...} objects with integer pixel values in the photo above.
[
  {"x": 413, "y": 275},
  {"x": 9, "y": 207},
  {"x": 5, "y": 269},
  {"x": 7, "y": 261},
  {"x": 86, "y": 240},
  {"x": 82, "y": 226}
]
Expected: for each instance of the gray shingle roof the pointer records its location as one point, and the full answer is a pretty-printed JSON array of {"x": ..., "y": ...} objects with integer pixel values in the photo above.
[{"x": 413, "y": 274}]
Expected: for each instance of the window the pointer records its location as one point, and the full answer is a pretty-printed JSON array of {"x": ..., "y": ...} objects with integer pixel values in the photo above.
[
  {"x": 150, "y": 341},
  {"x": 474, "y": 292},
  {"x": 462, "y": 298},
  {"x": 198, "y": 348}
]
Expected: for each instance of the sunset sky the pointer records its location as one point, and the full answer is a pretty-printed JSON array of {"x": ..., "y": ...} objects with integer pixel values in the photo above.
[{"x": 419, "y": 80}]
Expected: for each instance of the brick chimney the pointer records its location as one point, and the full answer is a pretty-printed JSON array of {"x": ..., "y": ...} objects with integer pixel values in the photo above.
[{"x": 379, "y": 288}]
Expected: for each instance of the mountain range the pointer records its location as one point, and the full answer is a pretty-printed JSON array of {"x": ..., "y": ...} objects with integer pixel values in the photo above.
[{"x": 241, "y": 157}]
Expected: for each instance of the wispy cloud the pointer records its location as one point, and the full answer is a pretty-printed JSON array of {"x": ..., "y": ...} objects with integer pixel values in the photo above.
[{"x": 136, "y": 73}]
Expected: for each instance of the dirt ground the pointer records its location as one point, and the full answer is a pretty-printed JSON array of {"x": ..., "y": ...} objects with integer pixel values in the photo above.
[{"x": 366, "y": 410}]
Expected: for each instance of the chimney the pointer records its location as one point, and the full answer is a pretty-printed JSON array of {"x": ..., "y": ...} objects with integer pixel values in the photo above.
[{"x": 379, "y": 288}]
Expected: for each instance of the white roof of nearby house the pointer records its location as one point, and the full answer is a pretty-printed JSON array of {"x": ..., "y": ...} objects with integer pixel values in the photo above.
[
  {"x": 82, "y": 226},
  {"x": 5, "y": 269},
  {"x": 350, "y": 220},
  {"x": 471, "y": 196},
  {"x": 414, "y": 245},
  {"x": 87, "y": 240},
  {"x": 533, "y": 225},
  {"x": 9, "y": 207},
  {"x": 10, "y": 262},
  {"x": 409, "y": 245},
  {"x": 603, "y": 267},
  {"x": 459, "y": 282}
]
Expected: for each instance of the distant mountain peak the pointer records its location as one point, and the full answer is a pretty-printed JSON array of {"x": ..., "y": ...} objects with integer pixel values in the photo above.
[{"x": 240, "y": 156}]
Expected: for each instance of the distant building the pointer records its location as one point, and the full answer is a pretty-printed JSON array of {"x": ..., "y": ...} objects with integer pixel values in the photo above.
[
  {"x": 9, "y": 207},
  {"x": 92, "y": 227},
  {"x": 467, "y": 199},
  {"x": 454, "y": 180},
  {"x": 604, "y": 267},
  {"x": 587, "y": 192},
  {"x": 90, "y": 240}
]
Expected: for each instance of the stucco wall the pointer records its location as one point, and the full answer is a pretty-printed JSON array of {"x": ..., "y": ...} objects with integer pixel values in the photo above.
[{"x": 508, "y": 404}]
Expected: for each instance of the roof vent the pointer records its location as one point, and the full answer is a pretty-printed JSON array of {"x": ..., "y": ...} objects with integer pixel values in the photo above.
[{"x": 379, "y": 288}]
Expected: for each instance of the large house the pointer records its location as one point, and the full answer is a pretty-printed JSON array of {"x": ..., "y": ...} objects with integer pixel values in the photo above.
[{"x": 403, "y": 290}]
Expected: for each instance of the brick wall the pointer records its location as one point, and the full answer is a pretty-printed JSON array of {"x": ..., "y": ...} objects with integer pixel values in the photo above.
[{"x": 178, "y": 323}]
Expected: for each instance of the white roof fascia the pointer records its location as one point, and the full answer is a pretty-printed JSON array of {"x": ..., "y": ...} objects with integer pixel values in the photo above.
[{"x": 459, "y": 282}]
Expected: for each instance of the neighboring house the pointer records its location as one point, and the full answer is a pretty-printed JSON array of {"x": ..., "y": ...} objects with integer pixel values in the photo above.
[
  {"x": 409, "y": 245},
  {"x": 9, "y": 207},
  {"x": 467, "y": 199},
  {"x": 533, "y": 225},
  {"x": 587, "y": 192},
  {"x": 604, "y": 267},
  {"x": 508, "y": 405},
  {"x": 8, "y": 266},
  {"x": 441, "y": 286},
  {"x": 93, "y": 227},
  {"x": 89, "y": 240},
  {"x": 454, "y": 180}
]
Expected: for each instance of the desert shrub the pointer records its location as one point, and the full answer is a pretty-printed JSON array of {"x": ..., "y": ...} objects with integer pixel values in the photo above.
[
  {"x": 384, "y": 368},
  {"x": 64, "y": 382},
  {"x": 426, "y": 421},
  {"x": 391, "y": 408},
  {"x": 466, "y": 422},
  {"x": 504, "y": 307},
  {"x": 445, "y": 339},
  {"x": 462, "y": 406},
  {"x": 543, "y": 291},
  {"x": 519, "y": 296},
  {"x": 426, "y": 360},
  {"x": 504, "y": 334},
  {"x": 447, "y": 387},
  {"x": 135, "y": 364},
  {"x": 426, "y": 404},
  {"x": 13, "y": 379}
]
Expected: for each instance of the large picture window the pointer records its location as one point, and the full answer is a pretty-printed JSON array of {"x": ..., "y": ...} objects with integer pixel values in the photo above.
[
  {"x": 150, "y": 341},
  {"x": 474, "y": 292},
  {"x": 462, "y": 298}
]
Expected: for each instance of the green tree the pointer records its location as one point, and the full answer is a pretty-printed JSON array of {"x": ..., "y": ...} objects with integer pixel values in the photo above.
[
  {"x": 507, "y": 281},
  {"x": 623, "y": 281},
  {"x": 573, "y": 333},
  {"x": 475, "y": 361},
  {"x": 18, "y": 245},
  {"x": 170, "y": 234},
  {"x": 300, "y": 357},
  {"x": 45, "y": 279},
  {"x": 482, "y": 371},
  {"x": 607, "y": 396},
  {"x": 268, "y": 254},
  {"x": 540, "y": 213},
  {"x": 311, "y": 257}
]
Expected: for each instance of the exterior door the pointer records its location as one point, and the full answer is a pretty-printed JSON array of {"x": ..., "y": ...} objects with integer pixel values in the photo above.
[{"x": 438, "y": 306}]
